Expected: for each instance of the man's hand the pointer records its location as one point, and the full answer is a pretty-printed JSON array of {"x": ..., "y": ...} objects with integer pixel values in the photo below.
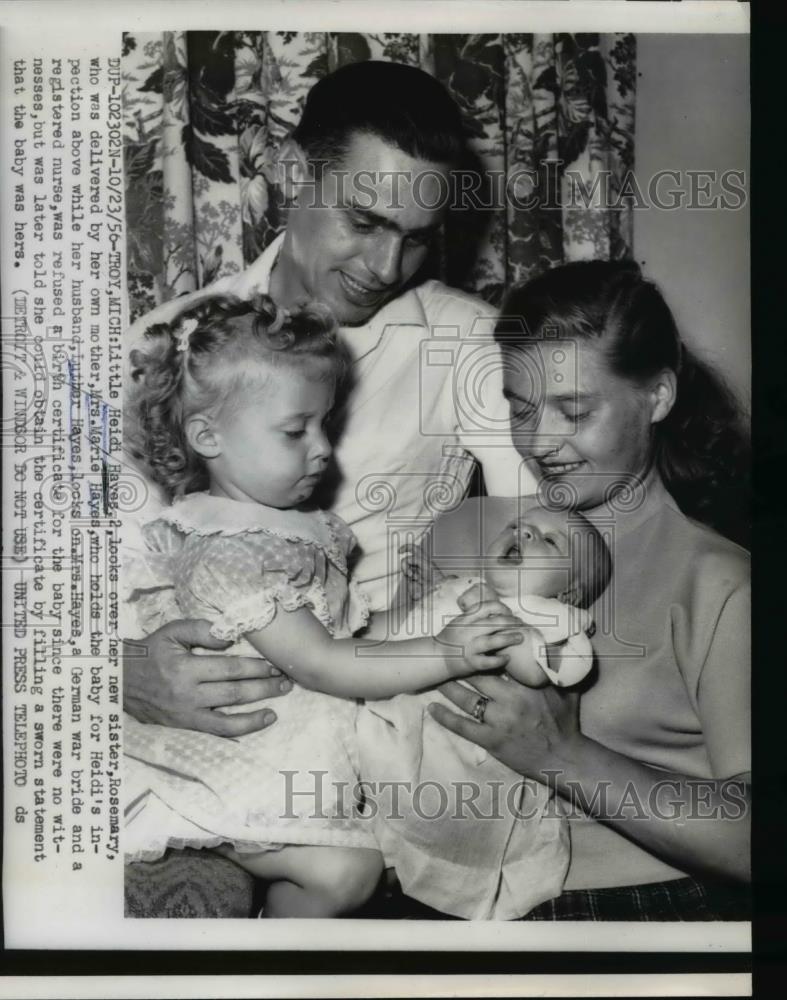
[{"x": 164, "y": 682}]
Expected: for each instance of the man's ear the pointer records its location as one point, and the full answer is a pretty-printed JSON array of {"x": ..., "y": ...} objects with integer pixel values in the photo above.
[
  {"x": 292, "y": 169},
  {"x": 664, "y": 392},
  {"x": 202, "y": 437}
]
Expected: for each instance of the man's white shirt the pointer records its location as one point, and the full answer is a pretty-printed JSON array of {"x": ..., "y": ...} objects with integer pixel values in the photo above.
[{"x": 427, "y": 401}]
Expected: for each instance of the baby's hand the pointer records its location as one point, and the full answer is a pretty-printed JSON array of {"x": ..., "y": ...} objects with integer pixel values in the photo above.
[{"x": 477, "y": 639}]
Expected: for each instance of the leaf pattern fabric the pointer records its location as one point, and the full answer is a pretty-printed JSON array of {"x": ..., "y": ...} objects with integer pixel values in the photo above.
[{"x": 550, "y": 118}]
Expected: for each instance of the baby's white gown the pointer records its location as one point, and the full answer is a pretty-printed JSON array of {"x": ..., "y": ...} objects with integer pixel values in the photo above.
[
  {"x": 238, "y": 565},
  {"x": 466, "y": 834}
]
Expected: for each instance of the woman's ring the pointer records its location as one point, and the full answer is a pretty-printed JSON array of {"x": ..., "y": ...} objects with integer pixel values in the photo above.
[{"x": 479, "y": 708}]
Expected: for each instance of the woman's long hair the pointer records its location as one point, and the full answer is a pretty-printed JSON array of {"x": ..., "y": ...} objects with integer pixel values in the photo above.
[{"x": 701, "y": 449}]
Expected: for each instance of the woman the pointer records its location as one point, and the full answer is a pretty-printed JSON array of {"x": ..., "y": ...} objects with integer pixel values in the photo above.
[{"x": 653, "y": 759}]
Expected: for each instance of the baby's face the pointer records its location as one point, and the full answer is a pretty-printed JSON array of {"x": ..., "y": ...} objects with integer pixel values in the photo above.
[{"x": 531, "y": 555}]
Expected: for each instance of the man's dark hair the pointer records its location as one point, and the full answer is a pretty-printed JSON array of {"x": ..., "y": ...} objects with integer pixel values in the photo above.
[{"x": 402, "y": 105}]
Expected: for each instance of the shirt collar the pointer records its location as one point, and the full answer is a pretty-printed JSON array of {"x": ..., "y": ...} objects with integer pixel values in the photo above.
[
  {"x": 404, "y": 310},
  {"x": 257, "y": 277}
]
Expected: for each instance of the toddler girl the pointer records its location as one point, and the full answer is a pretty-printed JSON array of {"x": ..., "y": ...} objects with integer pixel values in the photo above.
[{"x": 232, "y": 404}]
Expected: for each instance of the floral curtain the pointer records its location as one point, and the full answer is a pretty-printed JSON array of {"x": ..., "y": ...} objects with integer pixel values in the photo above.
[{"x": 550, "y": 116}]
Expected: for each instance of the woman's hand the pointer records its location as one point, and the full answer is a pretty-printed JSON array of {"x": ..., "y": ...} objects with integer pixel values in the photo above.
[
  {"x": 697, "y": 825},
  {"x": 531, "y": 730}
]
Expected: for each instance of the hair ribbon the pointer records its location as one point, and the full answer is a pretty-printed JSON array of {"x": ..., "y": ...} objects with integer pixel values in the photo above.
[{"x": 187, "y": 327}]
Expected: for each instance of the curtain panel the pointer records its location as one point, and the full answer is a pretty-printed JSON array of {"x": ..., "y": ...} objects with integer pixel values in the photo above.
[{"x": 550, "y": 117}]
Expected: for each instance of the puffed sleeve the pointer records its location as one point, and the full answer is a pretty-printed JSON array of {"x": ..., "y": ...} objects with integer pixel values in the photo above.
[
  {"x": 342, "y": 533},
  {"x": 245, "y": 580},
  {"x": 147, "y": 579},
  {"x": 724, "y": 688}
]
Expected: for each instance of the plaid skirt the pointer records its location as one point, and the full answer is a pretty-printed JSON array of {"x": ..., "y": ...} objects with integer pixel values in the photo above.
[{"x": 679, "y": 899}]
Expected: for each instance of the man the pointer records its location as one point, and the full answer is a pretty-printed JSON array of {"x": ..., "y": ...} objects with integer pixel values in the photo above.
[{"x": 368, "y": 173}]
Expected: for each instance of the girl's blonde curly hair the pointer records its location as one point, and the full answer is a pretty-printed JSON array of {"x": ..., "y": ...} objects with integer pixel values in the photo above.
[{"x": 208, "y": 360}]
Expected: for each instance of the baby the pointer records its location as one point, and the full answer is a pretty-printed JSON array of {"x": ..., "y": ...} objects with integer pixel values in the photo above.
[
  {"x": 547, "y": 566},
  {"x": 467, "y": 835}
]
